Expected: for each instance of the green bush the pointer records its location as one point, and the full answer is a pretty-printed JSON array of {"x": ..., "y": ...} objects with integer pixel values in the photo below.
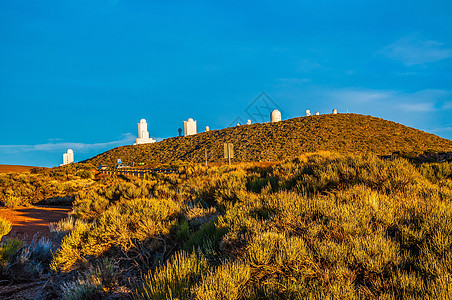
[
  {"x": 85, "y": 174},
  {"x": 207, "y": 239},
  {"x": 7, "y": 250}
]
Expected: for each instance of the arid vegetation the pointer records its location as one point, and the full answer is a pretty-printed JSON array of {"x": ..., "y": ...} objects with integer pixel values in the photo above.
[
  {"x": 344, "y": 133},
  {"x": 323, "y": 225},
  {"x": 43, "y": 185}
]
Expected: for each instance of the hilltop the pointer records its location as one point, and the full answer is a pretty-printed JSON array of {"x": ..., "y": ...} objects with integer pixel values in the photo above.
[{"x": 346, "y": 133}]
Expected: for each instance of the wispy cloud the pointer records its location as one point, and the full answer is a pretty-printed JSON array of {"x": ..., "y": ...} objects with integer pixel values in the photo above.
[
  {"x": 413, "y": 50},
  {"x": 127, "y": 138},
  {"x": 417, "y": 107},
  {"x": 308, "y": 66},
  {"x": 360, "y": 96},
  {"x": 442, "y": 129},
  {"x": 427, "y": 100},
  {"x": 447, "y": 105},
  {"x": 294, "y": 80}
]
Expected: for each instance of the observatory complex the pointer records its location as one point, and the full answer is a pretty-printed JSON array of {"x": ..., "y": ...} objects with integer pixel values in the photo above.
[
  {"x": 143, "y": 134},
  {"x": 189, "y": 127},
  {"x": 68, "y": 157}
]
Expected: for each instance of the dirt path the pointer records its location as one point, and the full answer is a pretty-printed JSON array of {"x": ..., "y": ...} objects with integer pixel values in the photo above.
[{"x": 28, "y": 221}]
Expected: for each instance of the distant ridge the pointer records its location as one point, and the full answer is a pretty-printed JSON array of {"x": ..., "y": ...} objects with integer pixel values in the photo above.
[
  {"x": 277, "y": 141},
  {"x": 15, "y": 168}
]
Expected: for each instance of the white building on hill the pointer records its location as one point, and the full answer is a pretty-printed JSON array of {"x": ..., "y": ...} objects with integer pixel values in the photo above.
[
  {"x": 68, "y": 157},
  {"x": 190, "y": 127},
  {"x": 275, "y": 116},
  {"x": 143, "y": 134}
]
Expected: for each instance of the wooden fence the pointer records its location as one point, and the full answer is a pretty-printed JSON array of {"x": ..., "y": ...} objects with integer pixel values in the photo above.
[{"x": 137, "y": 172}]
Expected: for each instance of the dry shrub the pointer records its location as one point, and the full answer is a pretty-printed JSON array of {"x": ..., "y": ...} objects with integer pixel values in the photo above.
[
  {"x": 5, "y": 227},
  {"x": 175, "y": 279},
  {"x": 118, "y": 226}
]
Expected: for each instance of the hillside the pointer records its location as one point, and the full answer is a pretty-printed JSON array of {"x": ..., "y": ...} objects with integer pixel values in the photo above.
[{"x": 346, "y": 133}]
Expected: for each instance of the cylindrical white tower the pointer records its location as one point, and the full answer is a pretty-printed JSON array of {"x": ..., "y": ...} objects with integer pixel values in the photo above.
[
  {"x": 275, "y": 116},
  {"x": 308, "y": 112},
  {"x": 143, "y": 132},
  {"x": 248, "y": 122},
  {"x": 317, "y": 113},
  {"x": 334, "y": 111},
  {"x": 68, "y": 157},
  {"x": 207, "y": 128}
]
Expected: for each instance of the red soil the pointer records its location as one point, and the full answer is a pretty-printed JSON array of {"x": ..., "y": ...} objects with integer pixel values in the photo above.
[
  {"x": 28, "y": 221},
  {"x": 14, "y": 168}
]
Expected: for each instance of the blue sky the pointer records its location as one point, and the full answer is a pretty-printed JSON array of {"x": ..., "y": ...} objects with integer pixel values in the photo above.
[{"x": 81, "y": 74}]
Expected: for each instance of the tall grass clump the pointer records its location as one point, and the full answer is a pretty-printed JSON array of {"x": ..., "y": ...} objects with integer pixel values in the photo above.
[
  {"x": 7, "y": 251},
  {"x": 175, "y": 279},
  {"x": 81, "y": 289}
]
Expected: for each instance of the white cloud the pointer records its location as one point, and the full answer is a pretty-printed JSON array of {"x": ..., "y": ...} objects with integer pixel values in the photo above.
[
  {"x": 308, "y": 66},
  {"x": 294, "y": 80},
  {"x": 442, "y": 129},
  {"x": 360, "y": 96},
  {"x": 428, "y": 100},
  {"x": 447, "y": 105},
  {"x": 417, "y": 107},
  {"x": 127, "y": 138},
  {"x": 413, "y": 50}
]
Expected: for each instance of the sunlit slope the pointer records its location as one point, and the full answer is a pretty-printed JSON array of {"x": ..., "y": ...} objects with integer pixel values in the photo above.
[{"x": 276, "y": 141}]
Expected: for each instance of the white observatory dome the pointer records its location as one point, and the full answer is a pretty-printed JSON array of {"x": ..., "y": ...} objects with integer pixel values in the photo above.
[
  {"x": 190, "y": 120},
  {"x": 70, "y": 151},
  {"x": 142, "y": 121},
  {"x": 275, "y": 116}
]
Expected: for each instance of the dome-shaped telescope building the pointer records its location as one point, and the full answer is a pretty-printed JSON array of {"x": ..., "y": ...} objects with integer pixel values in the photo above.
[
  {"x": 275, "y": 116},
  {"x": 68, "y": 157},
  {"x": 143, "y": 134}
]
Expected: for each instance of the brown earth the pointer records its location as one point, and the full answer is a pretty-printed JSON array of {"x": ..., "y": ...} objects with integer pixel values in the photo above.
[
  {"x": 28, "y": 221},
  {"x": 15, "y": 168}
]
